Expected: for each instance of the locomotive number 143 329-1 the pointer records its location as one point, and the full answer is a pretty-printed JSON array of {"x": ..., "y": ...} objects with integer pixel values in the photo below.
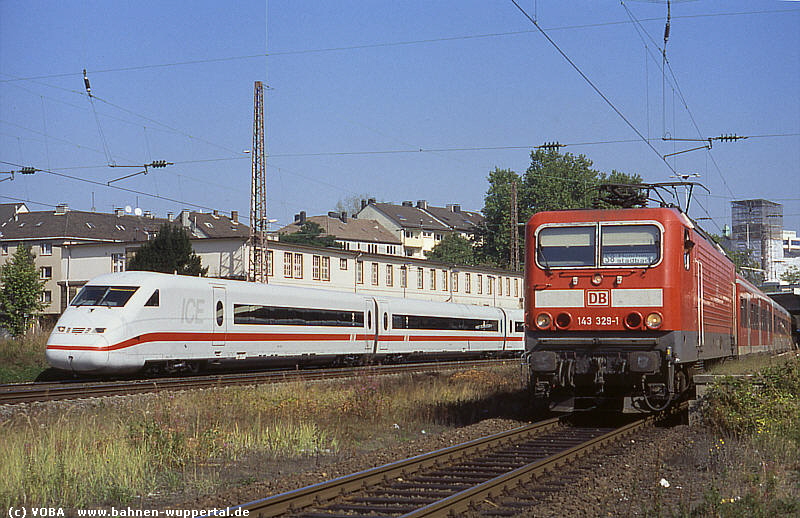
[{"x": 599, "y": 321}]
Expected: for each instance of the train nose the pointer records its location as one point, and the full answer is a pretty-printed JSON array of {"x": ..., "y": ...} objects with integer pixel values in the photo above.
[{"x": 78, "y": 349}]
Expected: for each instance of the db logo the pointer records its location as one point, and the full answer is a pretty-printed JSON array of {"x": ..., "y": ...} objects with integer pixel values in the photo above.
[{"x": 598, "y": 298}]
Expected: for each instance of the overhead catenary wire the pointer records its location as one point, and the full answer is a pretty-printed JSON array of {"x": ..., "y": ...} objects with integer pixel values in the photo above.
[
  {"x": 594, "y": 87},
  {"x": 387, "y": 44}
]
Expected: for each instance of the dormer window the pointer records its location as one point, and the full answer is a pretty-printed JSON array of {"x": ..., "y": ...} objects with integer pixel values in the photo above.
[
  {"x": 120, "y": 227},
  {"x": 89, "y": 225}
]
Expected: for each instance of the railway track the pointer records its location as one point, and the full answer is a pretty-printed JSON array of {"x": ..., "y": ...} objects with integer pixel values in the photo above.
[
  {"x": 16, "y": 393},
  {"x": 454, "y": 480}
]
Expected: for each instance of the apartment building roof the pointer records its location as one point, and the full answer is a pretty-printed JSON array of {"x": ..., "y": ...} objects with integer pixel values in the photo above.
[
  {"x": 366, "y": 230},
  {"x": 86, "y": 226}
]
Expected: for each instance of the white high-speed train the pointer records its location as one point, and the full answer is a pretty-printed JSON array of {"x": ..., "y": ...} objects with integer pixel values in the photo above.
[{"x": 144, "y": 321}]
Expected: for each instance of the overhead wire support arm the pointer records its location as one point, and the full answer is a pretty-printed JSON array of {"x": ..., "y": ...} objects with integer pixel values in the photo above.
[
  {"x": 155, "y": 164},
  {"x": 22, "y": 170},
  {"x": 722, "y": 138}
]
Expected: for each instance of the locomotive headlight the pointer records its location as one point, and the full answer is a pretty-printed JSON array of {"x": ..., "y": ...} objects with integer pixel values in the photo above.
[
  {"x": 563, "y": 320},
  {"x": 543, "y": 320},
  {"x": 653, "y": 320},
  {"x": 597, "y": 279}
]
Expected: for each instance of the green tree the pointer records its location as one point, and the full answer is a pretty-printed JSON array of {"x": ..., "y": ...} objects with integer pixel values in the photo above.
[
  {"x": 791, "y": 275},
  {"x": 169, "y": 252},
  {"x": 21, "y": 292},
  {"x": 493, "y": 238},
  {"x": 453, "y": 249},
  {"x": 310, "y": 233},
  {"x": 552, "y": 182}
]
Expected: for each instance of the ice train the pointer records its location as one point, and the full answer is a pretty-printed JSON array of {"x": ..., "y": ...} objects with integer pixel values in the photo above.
[{"x": 143, "y": 321}]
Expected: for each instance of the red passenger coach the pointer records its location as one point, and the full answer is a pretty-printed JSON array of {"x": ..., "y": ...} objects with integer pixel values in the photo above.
[{"x": 623, "y": 305}]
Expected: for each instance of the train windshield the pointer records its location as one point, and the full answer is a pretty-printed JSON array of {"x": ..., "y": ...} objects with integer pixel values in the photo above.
[
  {"x": 629, "y": 245},
  {"x": 109, "y": 296},
  {"x": 565, "y": 247}
]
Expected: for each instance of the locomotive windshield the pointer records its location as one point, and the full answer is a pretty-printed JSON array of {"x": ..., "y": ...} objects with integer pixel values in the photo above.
[
  {"x": 620, "y": 245},
  {"x": 110, "y": 296},
  {"x": 629, "y": 245}
]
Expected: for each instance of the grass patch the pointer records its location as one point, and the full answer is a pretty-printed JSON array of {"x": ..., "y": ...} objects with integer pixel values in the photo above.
[
  {"x": 22, "y": 359},
  {"x": 115, "y": 452},
  {"x": 757, "y": 451},
  {"x": 749, "y": 364}
]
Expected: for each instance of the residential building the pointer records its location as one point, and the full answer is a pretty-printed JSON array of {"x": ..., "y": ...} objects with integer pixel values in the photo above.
[
  {"x": 420, "y": 227},
  {"x": 757, "y": 226},
  {"x": 364, "y": 235}
]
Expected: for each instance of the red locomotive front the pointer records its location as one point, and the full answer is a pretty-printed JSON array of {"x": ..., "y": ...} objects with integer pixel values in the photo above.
[{"x": 619, "y": 304}]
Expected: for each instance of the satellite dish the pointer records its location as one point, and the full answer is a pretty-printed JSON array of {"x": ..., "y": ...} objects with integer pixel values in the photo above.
[
  {"x": 137, "y": 211},
  {"x": 127, "y": 209}
]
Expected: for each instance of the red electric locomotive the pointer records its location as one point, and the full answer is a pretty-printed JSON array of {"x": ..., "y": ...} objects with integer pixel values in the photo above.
[{"x": 623, "y": 305}]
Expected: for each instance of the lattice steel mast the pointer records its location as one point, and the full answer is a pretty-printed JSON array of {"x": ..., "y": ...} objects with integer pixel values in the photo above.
[
  {"x": 257, "y": 271},
  {"x": 514, "y": 262}
]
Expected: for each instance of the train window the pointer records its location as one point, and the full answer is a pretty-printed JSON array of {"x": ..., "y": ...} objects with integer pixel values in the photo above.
[
  {"x": 519, "y": 327},
  {"x": 220, "y": 313},
  {"x": 110, "y": 296},
  {"x": 443, "y": 323},
  {"x": 688, "y": 244},
  {"x": 385, "y": 321},
  {"x": 629, "y": 245},
  {"x": 369, "y": 319},
  {"x": 285, "y": 316},
  {"x": 153, "y": 300},
  {"x": 743, "y": 312},
  {"x": 560, "y": 247}
]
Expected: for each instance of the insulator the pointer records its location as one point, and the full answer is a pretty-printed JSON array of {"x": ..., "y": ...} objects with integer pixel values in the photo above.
[{"x": 27, "y": 170}]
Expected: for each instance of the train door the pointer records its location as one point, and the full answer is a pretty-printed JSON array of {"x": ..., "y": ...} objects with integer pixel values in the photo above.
[
  {"x": 700, "y": 310},
  {"x": 371, "y": 322},
  {"x": 219, "y": 324}
]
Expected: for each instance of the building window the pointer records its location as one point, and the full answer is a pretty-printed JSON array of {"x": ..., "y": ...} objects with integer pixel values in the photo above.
[
  {"x": 444, "y": 280},
  {"x": 270, "y": 269},
  {"x": 46, "y": 272},
  {"x": 433, "y": 279},
  {"x": 508, "y": 286},
  {"x": 389, "y": 275},
  {"x": 325, "y": 268},
  {"x": 118, "y": 263},
  {"x": 516, "y": 287},
  {"x": 391, "y": 249},
  {"x": 315, "y": 260},
  {"x": 374, "y": 278},
  {"x": 360, "y": 272},
  {"x": 343, "y": 264},
  {"x": 480, "y": 283},
  {"x": 499, "y": 286},
  {"x": 5, "y": 249},
  {"x": 427, "y": 234},
  {"x": 489, "y": 285},
  {"x": 287, "y": 264},
  {"x": 298, "y": 266},
  {"x": 409, "y": 234},
  {"x": 420, "y": 278},
  {"x": 46, "y": 248},
  {"x": 455, "y": 281},
  {"x": 47, "y": 296},
  {"x": 403, "y": 277},
  {"x": 438, "y": 237},
  {"x": 468, "y": 283}
]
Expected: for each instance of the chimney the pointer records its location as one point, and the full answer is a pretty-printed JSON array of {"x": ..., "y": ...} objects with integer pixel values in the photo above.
[
  {"x": 61, "y": 209},
  {"x": 343, "y": 216},
  {"x": 148, "y": 214},
  {"x": 408, "y": 204},
  {"x": 333, "y": 214},
  {"x": 302, "y": 217},
  {"x": 371, "y": 201},
  {"x": 119, "y": 211},
  {"x": 363, "y": 204},
  {"x": 170, "y": 215},
  {"x": 235, "y": 216},
  {"x": 215, "y": 213},
  {"x": 185, "y": 218},
  {"x": 422, "y": 204},
  {"x": 454, "y": 207}
]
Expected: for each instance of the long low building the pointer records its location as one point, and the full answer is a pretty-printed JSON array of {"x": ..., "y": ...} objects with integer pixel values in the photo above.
[{"x": 72, "y": 247}]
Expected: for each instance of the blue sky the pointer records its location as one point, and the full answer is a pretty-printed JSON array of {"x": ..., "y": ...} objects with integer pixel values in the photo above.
[{"x": 358, "y": 88}]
